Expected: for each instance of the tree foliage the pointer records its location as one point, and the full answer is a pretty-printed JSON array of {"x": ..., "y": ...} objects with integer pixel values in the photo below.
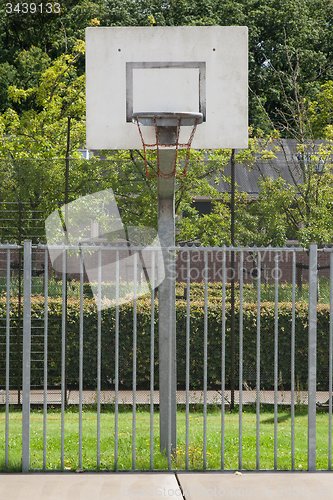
[
  {"x": 281, "y": 32},
  {"x": 38, "y": 131},
  {"x": 321, "y": 112},
  {"x": 277, "y": 28},
  {"x": 33, "y": 144},
  {"x": 31, "y": 42},
  {"x": 290, "y": 76}
]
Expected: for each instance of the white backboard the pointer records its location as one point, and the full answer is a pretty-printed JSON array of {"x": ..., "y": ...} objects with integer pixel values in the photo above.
[{"x": 181, "y": 69}]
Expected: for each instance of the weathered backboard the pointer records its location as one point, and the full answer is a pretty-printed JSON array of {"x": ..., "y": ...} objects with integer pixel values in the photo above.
[{"x": 177, "y": 69}]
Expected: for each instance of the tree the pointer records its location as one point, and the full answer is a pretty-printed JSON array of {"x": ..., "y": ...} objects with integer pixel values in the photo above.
[
  {"x": 303, "y": 212},
  {"x": 53, "y": 32},
  {"x": 302, "y": 27},
  {"x": 39, "y": 131},
  {"x": 289, "y": 59},
  {"x": 321, "y": 112},
  {"x": 136, "y": 194},
  {"x": 303, "y": 208},
  {"x": 30, "y": 41},
  {"x": 33, "y": 147},
  {"x": 33, "y": 144}
]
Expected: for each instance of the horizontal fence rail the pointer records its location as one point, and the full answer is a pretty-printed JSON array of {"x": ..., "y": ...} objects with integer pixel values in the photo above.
[{"x": 88, "y": 343}]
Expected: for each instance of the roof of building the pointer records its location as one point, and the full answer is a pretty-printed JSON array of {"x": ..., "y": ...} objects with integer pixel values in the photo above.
[{"x": 286, "y": 164}]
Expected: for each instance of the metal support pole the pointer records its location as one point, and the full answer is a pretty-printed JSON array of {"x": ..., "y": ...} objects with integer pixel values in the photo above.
[
  {"x": 330, "y": 363},
  {"x": 7, "y": 358},
  {"x": 19, "y": 310},
  {"x": 26, "y": 357},
  {"x": 312, "y": 357},
  {"x": 232, "y": 298},
  {"x": 67, "y": 158},
  {"x": 167, "y": 304}
]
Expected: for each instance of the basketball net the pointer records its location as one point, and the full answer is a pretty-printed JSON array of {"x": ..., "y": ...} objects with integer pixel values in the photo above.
[{"x": 153, "y": 120}]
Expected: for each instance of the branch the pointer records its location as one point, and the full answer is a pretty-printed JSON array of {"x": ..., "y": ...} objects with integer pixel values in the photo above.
[
  {"x": 63, "y": 27},
  {"x": 142, "y": 174},
  {"x": 69, "y": 64}
]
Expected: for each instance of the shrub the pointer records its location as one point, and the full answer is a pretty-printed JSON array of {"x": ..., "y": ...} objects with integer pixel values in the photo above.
[{"x": 214, "y": 345}]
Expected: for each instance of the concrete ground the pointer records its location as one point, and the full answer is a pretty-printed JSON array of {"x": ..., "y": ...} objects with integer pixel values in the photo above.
[{"x": 183, "y": 485}]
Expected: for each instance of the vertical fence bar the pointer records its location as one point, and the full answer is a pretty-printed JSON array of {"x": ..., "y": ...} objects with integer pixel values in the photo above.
[
  {"x": 330, "y": 367},
  {"x": 312, "y": 357},
  {"x": 187, "y": 438},
  {"x": 152, "y": 360},
  {"x": 170, "y": 361},
  {"x": 46, "y": 315},
  {"x": 99, "y": 326},
  {"x": 276, "y": 339},
  {"x": 258, "y": 363},
  {"x": 81, "y": 359},
  {"x": 26, "y": 357},
  {"x": 292, "y": 388},
  {"x": 223, "y": 362},
  {"x": 134, "y": 359},
  {"x": 240, "y": 432},
  {"x": 205, "y": 365},
  {"x": 7, "y": 358},
  {"x": 116, "y": 367},
  {"x": 63, "y": 355}
]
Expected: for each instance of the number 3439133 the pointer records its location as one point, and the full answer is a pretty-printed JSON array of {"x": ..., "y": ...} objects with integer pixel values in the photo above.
[{"x": 33, "y": 8}]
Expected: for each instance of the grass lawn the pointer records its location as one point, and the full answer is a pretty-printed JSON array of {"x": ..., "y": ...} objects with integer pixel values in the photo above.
[{"x": 231, "y": 445}]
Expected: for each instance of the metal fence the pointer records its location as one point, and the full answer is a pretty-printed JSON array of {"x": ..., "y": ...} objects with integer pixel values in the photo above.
[{"x": 113, "y": 353}]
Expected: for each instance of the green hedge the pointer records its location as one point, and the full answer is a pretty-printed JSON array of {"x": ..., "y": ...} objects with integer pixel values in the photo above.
[{"x": 143, "y": 344}]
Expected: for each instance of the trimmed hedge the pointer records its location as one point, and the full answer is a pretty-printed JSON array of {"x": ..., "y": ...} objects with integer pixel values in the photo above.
[{"x": 143, "y": 344}]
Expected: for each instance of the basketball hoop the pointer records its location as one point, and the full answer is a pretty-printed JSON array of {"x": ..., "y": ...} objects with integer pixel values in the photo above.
[{"x": 167, "y": 129}]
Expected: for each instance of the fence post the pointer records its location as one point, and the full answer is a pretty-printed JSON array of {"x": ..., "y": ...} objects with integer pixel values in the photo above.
[
  {"x": 312, "y": 357},
  {"x": 26, "y": 357}
]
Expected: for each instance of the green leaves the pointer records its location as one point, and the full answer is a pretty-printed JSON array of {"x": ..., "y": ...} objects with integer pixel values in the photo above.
[
  {"x": 40, "y": 132},
  {"x": 321, "y": 111},
  {"x": 196, "y": 341}
]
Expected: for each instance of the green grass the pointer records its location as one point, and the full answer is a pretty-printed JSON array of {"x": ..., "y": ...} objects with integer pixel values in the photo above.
[
  {"x": 142, "y": 440},
  {"x": 197, "y": 290}
]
